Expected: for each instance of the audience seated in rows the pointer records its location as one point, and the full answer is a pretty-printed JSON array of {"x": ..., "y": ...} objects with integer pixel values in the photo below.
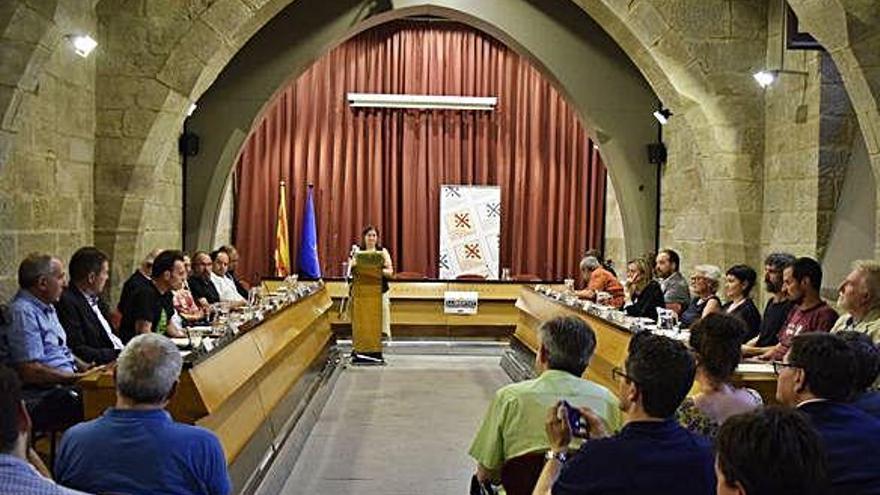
[
  {"x": 17, "y": 473},
  {"x": 199, "y": 281},
  {"x": 82, "y": 313},
  {"x": 231, "y": 271},
  {"x": 151, "y": 308},
  {"x": 859, "y": 296},
  {"x": 817, "y": 376},
  {"x": 704, "y": 282},
  {"x": 778, "y": 304},
  {"x": 739, "y": 282},
  {"x": 136, "y": 447},
  {"x": 867, "y": 361},
  {"x": 672, "y": 282},
  {"x": 224, "y": 285},
  {"x": 770, "y": 451},
  {"x": 513, "y": 424},
  {"x": 715, "y": 341},
  {"x": 600, "y": 280},
  {"x": 645, "y": 293},
  {"x": 652, "y": 453},
  {"x": 802, "y": 282},
  {"x": 183, "y": 300},
  {"x": 140, "y": 278}
]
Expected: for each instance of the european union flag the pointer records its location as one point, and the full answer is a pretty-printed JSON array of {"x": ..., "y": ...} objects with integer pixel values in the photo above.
[{"x": 309, "y": 266}]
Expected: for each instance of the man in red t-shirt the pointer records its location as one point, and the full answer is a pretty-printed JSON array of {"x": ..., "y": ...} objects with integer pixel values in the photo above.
[{"x": 802, "y": 281}]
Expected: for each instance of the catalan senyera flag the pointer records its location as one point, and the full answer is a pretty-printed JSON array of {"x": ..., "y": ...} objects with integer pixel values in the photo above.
[{"x": 282, "y": 249}]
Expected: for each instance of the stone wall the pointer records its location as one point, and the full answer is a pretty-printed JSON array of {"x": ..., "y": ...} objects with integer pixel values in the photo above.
[
  {"x": 46, "y": 186},
  {"x": 615, "y": 246}
]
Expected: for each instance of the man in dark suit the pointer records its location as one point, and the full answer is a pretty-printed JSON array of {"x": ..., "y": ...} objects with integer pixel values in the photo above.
[
  {"x": 818, "y": 376},
  {"x": 84, "y": 316},
  {"x": 203, "y": 290},
  {"x": 140, "y": 278}
]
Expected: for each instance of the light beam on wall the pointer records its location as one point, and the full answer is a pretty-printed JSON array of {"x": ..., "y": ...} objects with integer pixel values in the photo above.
[{"x": 421, "y": 102}]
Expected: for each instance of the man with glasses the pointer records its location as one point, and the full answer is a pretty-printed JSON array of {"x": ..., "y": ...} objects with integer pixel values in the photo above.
[
  {"x": 817, "y": 376},
  {"x": 652, "y": 453}
]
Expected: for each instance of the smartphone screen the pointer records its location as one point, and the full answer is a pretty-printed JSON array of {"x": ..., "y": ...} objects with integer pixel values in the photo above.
[{"x": 578, "y": 426}]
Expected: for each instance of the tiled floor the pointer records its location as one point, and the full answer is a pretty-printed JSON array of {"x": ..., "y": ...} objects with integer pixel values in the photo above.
[{"x": 399, "y": 429}]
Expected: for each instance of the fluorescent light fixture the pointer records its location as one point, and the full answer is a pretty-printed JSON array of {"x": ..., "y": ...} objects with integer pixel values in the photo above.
[
  {"x": 191, "y": 109},
  {"x": 662, "y": 115},
  {"x": 83, "y": 44},
  {"x": 765, "y": 78},
  {"x": 422, "y": 102}
]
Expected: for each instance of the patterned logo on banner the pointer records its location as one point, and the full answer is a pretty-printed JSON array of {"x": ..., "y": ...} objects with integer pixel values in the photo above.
[{"x": 470, "y": 230}]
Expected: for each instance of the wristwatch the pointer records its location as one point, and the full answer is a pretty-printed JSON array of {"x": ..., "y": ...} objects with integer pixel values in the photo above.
[{"x": 560, "y": 456}]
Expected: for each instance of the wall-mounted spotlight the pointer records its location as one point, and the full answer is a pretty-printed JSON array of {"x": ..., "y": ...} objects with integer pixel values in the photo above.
[
  {"x": 191, "y": 109},
  {"x": 83, "y": 44},
  {"x": 662, "y": 115},
  {"x": 765, "y": 78}
]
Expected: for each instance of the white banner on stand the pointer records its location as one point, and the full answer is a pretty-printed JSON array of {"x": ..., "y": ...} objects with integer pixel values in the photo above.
[{"x": 470, "y": 230}]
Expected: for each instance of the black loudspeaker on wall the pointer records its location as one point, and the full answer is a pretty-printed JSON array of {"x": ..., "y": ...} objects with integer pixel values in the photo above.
[
  {"x": 189, "y": 144},
  {"x": 657, "y": 153}
]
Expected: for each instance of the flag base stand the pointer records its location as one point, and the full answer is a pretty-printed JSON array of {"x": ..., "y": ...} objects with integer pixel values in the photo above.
[{"x": 367, "y": 358}]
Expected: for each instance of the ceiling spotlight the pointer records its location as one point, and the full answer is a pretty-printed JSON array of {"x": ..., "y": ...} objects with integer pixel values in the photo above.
[
  {"x": 765, "y": 77},
  {"x": 191, "y": 109},
  {"x": 83, "y": 44},
  {"x": 663, "y": 115}
]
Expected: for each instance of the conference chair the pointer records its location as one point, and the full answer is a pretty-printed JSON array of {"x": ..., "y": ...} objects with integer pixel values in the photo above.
[{"x": 519, "y": 475}]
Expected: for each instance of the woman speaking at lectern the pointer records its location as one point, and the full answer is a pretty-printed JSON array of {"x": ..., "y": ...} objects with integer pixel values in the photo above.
[{"x": 370, "y": 242}]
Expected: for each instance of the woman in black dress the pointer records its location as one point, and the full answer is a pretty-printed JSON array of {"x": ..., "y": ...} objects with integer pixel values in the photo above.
[
  {"x": 644, "y": 292},
  {"x": 739, "y": 281}
]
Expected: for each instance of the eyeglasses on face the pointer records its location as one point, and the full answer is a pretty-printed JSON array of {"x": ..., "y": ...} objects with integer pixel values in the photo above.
[
  {"x": 617, "y": 374},
  {"x": 778, "y": 366}
]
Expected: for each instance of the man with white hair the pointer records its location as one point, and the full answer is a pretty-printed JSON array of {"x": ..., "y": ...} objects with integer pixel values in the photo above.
[
  {"x": 859, "y": 296},
  {"x": 599, "y": 280},
  {"x": 136, "y": 447}
]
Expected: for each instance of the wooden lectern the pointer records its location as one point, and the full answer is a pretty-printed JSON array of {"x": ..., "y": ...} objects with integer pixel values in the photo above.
[{"x": 366, "y": 316}]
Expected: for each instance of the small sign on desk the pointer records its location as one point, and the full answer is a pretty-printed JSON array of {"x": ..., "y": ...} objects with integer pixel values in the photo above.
[{"x": 460, "y": 302}]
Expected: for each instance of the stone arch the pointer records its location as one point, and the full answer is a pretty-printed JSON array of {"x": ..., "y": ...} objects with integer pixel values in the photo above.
[
  {"x": 28, "y": 35},
  {"x": 622, "y": 135},
  {"x": 850, "y": 32}
]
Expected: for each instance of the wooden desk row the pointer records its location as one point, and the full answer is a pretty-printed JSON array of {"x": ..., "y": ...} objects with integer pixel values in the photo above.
[
  {"x": 612, "y": 342},
  {"x": 234, "y": 390},
  {"x": 417, "y": 309}
]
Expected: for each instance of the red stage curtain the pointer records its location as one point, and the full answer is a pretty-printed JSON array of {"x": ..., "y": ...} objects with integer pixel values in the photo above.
[{"x": 385, "y": 166}]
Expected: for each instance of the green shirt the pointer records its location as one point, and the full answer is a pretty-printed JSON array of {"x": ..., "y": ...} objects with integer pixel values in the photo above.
[
  {"x": 514, "y": 423},
  {"x": 870, "y": 325}
]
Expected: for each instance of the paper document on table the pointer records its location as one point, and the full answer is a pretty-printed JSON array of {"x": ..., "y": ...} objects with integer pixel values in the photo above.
[{"x": 755, "y": 368}]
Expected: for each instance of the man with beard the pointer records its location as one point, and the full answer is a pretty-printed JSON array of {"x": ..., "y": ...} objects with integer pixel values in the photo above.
[
  {"x": 801, "y": 281},
  {"x": 777, "y": 308}
]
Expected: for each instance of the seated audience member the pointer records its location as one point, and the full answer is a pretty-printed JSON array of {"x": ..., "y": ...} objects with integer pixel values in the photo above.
[
  {"x": 107, "y": 454},
  {"x": 140, "y": 278},
  {"x": 739, "y": 282},
  {"x": 817, "y": 377},
  {"x": 652, "y": 453},
  {"x": 183, "y": 300},
  {"x": 715, "y": 341},
  {"x": 644, "y": 292},
  {"x": 231, "y": 272},
  {"x": 17, "y": 475},
  {"x": 34, "y": 338},
  {"x": 513, "y": 424},
  {"x": 802, "y": 281},
  {"x": 672, "y": 282},
  {"x": 867, "y": 360},
  {"x": 778, "y": 304},
  {"x": 151, "y": 308},
  {"x": 225, "y": 287},
  {"x": 600, "y": 280},
  {"x": 704, "y": 282},
  {"x": 606, "y": 263},
  {"x": 199, "y": 282},
  {"x": 82, "y": 313},
  {"x": 859, "y": 296},
  {"x": 771, "y": 451}
]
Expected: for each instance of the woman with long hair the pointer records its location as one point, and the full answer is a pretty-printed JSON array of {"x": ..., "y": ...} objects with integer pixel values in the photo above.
[{"x": 645, "y": 294}]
